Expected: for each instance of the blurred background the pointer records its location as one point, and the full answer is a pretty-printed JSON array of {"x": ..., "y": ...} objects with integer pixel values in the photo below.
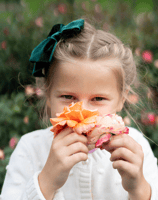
[{"x": 25, "y": 23}]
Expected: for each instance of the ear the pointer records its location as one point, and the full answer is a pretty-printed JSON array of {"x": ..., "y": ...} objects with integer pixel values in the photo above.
[{"x": 122, "y": 101}]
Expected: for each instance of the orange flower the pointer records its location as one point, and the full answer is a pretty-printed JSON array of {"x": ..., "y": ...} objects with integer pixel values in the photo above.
[{"x": 74, "y": 116}]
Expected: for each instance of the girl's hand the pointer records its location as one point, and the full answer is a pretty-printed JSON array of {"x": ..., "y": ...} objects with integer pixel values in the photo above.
[
  {"x": 68, "y": 148},
  {"x": 127, "y": 157}
]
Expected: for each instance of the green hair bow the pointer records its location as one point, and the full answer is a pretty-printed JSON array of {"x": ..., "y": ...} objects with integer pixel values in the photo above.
[{"x": 42, "y": 54}]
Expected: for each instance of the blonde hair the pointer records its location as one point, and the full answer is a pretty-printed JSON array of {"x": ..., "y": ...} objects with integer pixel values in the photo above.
[{"x": 95, "y": 44}]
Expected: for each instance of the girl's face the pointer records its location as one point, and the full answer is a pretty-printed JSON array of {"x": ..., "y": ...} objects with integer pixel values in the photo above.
[{"x": 91, "y": 82}]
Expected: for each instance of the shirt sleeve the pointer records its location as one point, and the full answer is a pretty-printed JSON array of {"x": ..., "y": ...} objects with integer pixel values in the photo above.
[
  {"x": 21, "y": 181},
  {"x": 150, "y": 168}
]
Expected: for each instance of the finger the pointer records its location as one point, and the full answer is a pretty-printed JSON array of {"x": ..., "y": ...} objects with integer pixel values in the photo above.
[
  {"x": 66, "y": 131},
  {"x": 123, "y": 154},
  {"x": 126, "y": 141},
  {"x": 126, "y": 167},
  {"x": 76, "y": 148},
  {"x": 77, "y": 157},
  {"x": 74, "y": 137}
]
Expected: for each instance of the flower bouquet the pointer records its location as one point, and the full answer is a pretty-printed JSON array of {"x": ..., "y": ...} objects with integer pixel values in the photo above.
[{"x": 97, "y": 128}]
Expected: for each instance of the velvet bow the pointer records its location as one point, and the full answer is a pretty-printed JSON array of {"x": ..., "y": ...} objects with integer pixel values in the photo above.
[{"x": 43, "y": 53}]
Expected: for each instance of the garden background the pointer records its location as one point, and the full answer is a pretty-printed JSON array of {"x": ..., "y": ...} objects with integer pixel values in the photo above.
[{"x": 24, "y": 23}]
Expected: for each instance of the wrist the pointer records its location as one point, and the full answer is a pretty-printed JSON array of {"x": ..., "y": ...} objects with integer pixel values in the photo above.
[
  {"x": 47, "y": 192},
  {"x": 142, "y": 192}
]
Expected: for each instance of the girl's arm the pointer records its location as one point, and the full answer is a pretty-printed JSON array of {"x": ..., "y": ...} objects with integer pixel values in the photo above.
[
  {"x": 134, "y": 160},
  {"x": 21, "y": 180}
]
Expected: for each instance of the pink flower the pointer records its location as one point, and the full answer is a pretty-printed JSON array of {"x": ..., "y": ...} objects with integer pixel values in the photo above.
[
  {"x": 147, "y": 56},
  {"x": 152, "y": 118},
  {"x": 132, "y": 98},
  {"x": 2, "y": 156},
  {"x": 97, "y": 8},
  {"x": 4, "y": 45},
  {"x": 13, "y": 141},
  {"x": 127, "y": 121},
  {"x": 26, "y": 120},
  {"x": 29, "y": 90},
  {"x": 84, "y": 6},
  {"x": 148, "y": 118},
  {"x": 39, "y": 22},
  {"x": 6, "y": 31},
  {"x": 62, "y": 8},
  {"x": 39, "y": 92}
]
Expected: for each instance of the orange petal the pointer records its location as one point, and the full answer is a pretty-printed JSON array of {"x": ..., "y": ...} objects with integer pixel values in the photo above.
[
  {"x": 56, "y": 129},
  {"x": 71, "y": 123},
  {"x": 90, "y": 120},
  {"x": 88, "y": 113},
  {"x": 56, "y": 120},
  {"x": 75, "y": 115},
  {"x": 76, "y": 106}
]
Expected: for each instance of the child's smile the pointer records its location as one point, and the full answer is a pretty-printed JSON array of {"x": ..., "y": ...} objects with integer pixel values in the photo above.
[{"x": 92, "y": 82}]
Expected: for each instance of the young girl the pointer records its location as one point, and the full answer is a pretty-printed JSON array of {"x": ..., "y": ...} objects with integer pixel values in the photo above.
[{"x": 80, "y": 63}]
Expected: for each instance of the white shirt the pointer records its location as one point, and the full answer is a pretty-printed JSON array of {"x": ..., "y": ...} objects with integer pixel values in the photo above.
[{"x": 94, "y": 179}]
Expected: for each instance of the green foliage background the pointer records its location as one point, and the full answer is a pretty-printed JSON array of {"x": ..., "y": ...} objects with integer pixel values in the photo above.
[{"x": 25, "y": 23}]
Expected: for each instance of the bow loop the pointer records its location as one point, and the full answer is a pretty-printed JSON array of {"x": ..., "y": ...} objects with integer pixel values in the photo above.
[{"x": 43, "y": 53}]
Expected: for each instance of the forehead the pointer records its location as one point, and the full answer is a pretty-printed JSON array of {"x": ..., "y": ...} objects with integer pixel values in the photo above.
[{"x": 86, "y": 74}]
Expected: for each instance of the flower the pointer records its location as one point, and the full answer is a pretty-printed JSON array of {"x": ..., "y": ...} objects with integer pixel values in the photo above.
[
  {"x": 29, "y": 90},
  {"x": 4, "y": 45},
  {"x": 62, "y": 8},
  {"x": 81, "y": 120},
  {"x": 13, "y": 141},
  {"x": 133, "y": 99},
  {"x": 26, "y": 120},
  {"x": 6, "y": 31},
  {"x": 97, "y": 8},
  {"x": 127, "y": 120},
  {"x": 39, "y": 92},
  {"x": 39, "y": 22},
  {"x": 151, "y": 118},
  {"x": 2, "y": 156},
  {"x": 105, "y": 125},
  {"x": 148, "y": 118},
  {"x": 147, "y": 56},
  {"x": 97, "y": 128}
]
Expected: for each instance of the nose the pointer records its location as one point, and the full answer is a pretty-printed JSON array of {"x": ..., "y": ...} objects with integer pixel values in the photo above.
[{"x": 86, "y": 105}]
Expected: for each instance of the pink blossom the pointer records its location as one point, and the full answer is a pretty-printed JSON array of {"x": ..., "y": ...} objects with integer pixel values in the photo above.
[
  {"x": 84, "y": 6},
  {"x": 62, "y": 8},
  {"x": 4, "y": 45},
  {"x": 97, "y": 8},
  {"x": 29, "y": 90},
  {"x": 13, "y": 141},
  {"x": 127, "y": 120},
  {"x": 147, "y": 56},
  {"x": 39, "y": 22},
  {"x": 152, "y": 118},
  {"x": 26, "y": 120},
  {"x": 6, "y": 31},
  {"x": 39, "y": 92},
  {"x": 2, "y": 156},
  {"x": 132, "y": 98},
  {"x": 148, "y": 118}
]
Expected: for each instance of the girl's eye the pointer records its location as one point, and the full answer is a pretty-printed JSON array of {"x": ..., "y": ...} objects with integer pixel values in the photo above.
[
  {"x": 98, "y": 99},
  {"x": 70, "y": 97}
]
